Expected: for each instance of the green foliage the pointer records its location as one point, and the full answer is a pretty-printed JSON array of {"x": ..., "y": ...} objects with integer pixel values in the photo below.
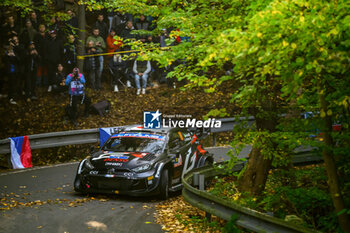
[
  {"x": 298, "y": 192},
  {"x": 230, "y": 226}
]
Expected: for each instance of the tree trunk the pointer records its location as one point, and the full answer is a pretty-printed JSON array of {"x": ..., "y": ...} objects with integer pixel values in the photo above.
[
  {"x": 328, "y": 156},
  {"x": 81, "y": 35},
  {"x": 254, "y": 178}
]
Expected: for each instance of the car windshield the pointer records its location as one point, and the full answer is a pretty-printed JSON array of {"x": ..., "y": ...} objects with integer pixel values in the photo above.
[{"x": 135, "y": 142}]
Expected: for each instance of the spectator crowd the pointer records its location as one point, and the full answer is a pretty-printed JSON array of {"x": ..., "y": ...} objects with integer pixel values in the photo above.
[{"x": 37, "y": 53}]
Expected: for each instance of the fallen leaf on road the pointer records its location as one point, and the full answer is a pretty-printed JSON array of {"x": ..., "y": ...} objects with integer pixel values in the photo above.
[{"x": 97, "y": 225}]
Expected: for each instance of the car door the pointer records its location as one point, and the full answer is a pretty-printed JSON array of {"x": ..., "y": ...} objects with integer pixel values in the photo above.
[{"x": 177, "y": 149}]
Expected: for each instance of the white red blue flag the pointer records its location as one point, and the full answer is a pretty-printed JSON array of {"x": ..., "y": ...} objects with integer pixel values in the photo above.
[
  {"x": 21, "y": 155},
  {"x": 105, "y": 133}
]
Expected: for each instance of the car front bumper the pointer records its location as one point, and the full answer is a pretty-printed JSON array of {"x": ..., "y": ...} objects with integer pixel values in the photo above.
[{"x": 132, "y": 184}]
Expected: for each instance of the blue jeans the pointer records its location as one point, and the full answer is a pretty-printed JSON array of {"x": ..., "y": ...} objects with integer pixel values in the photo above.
[
  {"x": 110, "y": 19},
  {"x": 144, "y": 81}
]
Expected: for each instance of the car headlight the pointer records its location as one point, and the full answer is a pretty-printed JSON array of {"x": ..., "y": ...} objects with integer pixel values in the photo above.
[
  {"x": 142, "y": 168},
  {"x": 88, "y": 164}
]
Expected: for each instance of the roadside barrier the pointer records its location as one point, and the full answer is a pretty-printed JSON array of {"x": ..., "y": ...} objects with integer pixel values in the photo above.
[{"x": 194, "y": 192}]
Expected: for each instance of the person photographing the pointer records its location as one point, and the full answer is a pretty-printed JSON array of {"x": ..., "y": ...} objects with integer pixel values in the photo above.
[{"x": 75, "y": 82}]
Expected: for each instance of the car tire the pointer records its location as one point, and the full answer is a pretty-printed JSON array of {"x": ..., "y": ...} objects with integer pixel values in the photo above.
[
  {"x": 164, "y": 185},
  {"x": 78, "y": 185}
]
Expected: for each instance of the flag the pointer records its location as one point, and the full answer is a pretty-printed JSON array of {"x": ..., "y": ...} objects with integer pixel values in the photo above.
[
  {"x": 21, "y": 155},
  {"x": 105, "y": 133}
]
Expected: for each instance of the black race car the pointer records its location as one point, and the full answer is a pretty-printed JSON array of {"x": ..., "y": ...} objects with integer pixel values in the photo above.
[{"x": 138, "y": 162}]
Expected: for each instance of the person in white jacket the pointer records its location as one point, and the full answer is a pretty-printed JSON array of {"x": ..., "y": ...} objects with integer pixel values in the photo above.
[{"x": 141, "y": 70}]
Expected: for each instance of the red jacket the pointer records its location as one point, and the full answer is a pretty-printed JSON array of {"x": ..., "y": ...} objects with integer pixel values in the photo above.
[{"x": 111, "y": 47}]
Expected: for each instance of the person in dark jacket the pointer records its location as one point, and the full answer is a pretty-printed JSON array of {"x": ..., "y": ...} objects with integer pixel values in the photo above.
[
  {"x": 126, "y": 33},
  {"x": 20, "y": 53},
  {"x": 40, "y": 41},
  {"x": 70, "y": 53},
  {"x": 118, "y": 22},
  {"x": 72, "y": 22},
  {"x": 28, "y": 33},
  {"x": 12, "y": 61},
  {"x": 59, "y": 83},
  {"x": 91, "y": 66},
  {"x": 118, "y": 66},
  {"x": 102, "y": 26},
  {"x": 34, "y": 19},
  {"x": 32, "y": 59},
  {"x": 142, "y": 24},
  {"x": 54, "y": 50},
  {"x": 10, "y": 28}
]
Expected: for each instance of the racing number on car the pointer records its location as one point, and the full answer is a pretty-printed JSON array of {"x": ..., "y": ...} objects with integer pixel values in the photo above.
[{"x": 189, "y": 162}]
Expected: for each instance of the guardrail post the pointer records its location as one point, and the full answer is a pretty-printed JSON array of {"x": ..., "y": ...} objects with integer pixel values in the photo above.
[
  {"x": 202, "y": 187},
  {"x": 214, "y": 139},
  {"x": 195, "y": 179},
  {"x": 9, "y": 163}
]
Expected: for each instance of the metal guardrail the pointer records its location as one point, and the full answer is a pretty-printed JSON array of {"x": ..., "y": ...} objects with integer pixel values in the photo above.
[
  {"x": 74, "y": 137},
  {"x": 247, "y": 218},
  {"x": 55, "y": 139}
]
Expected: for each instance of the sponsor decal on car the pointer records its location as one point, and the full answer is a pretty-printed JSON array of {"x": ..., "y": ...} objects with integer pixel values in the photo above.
[
  {"x": 114, "y": 164},
  {"x": 115, "y": 160},
  {"x": 177, "y": 161},
  {"x": 139, "y": 135}
]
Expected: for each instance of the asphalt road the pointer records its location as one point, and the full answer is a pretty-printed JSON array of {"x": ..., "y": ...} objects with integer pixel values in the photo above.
[{"x": 43, "y": 200}]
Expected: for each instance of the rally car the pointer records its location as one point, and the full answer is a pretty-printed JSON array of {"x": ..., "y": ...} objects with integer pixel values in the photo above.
[{"x": 138, "y": 162}]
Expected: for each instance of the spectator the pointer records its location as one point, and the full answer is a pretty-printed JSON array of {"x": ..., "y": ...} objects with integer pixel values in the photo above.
[
  {"x": 100, "y": 46},
  {"x": 12, "y": 61},
  {"x": 118, "y": 22},
  {"x": 70, "y": 53},
  {"x": 142, "y": 24},
  {"x": 102, "y": 26},
  {"x": 112, "y": 43},
  {"x": 59, "y": 82},
  {"x": 110, "y": 15},
  {"x": 40, "y": 41},
  {"x": 32, "y": 59},
  {"x": 91, "y": 66},
  {"x": 54, "y": 49},
  {"x": 126, "y": 33},
  {"x": 19, "y": 51},
  {"x": 56, "y": 25},
  {"x": 72, "y": 22},
  {"x": 118, "y": 66},
  {"x": 10, "y": 28},
  {"x": 141, "y": 69},
  {"x": 28, "y": 33},
  {"x": 34, "y": 19},
  {"x": 75, "y": 82},
  {"x": 149, "y": 39}
]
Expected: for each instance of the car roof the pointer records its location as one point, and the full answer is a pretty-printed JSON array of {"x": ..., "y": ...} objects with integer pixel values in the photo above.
[{"x": 139, "y": 128}]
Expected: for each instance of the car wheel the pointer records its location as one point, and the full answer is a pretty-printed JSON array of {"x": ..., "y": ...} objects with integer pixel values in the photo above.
[
  {"x": 164, "y": 185},
  {"x": 78, "y": 185}
]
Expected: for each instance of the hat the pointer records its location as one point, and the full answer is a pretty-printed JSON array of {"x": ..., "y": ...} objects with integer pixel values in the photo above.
[
  {"x": 53, "y": 32},
  {"x": 31, "y": 42}
]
